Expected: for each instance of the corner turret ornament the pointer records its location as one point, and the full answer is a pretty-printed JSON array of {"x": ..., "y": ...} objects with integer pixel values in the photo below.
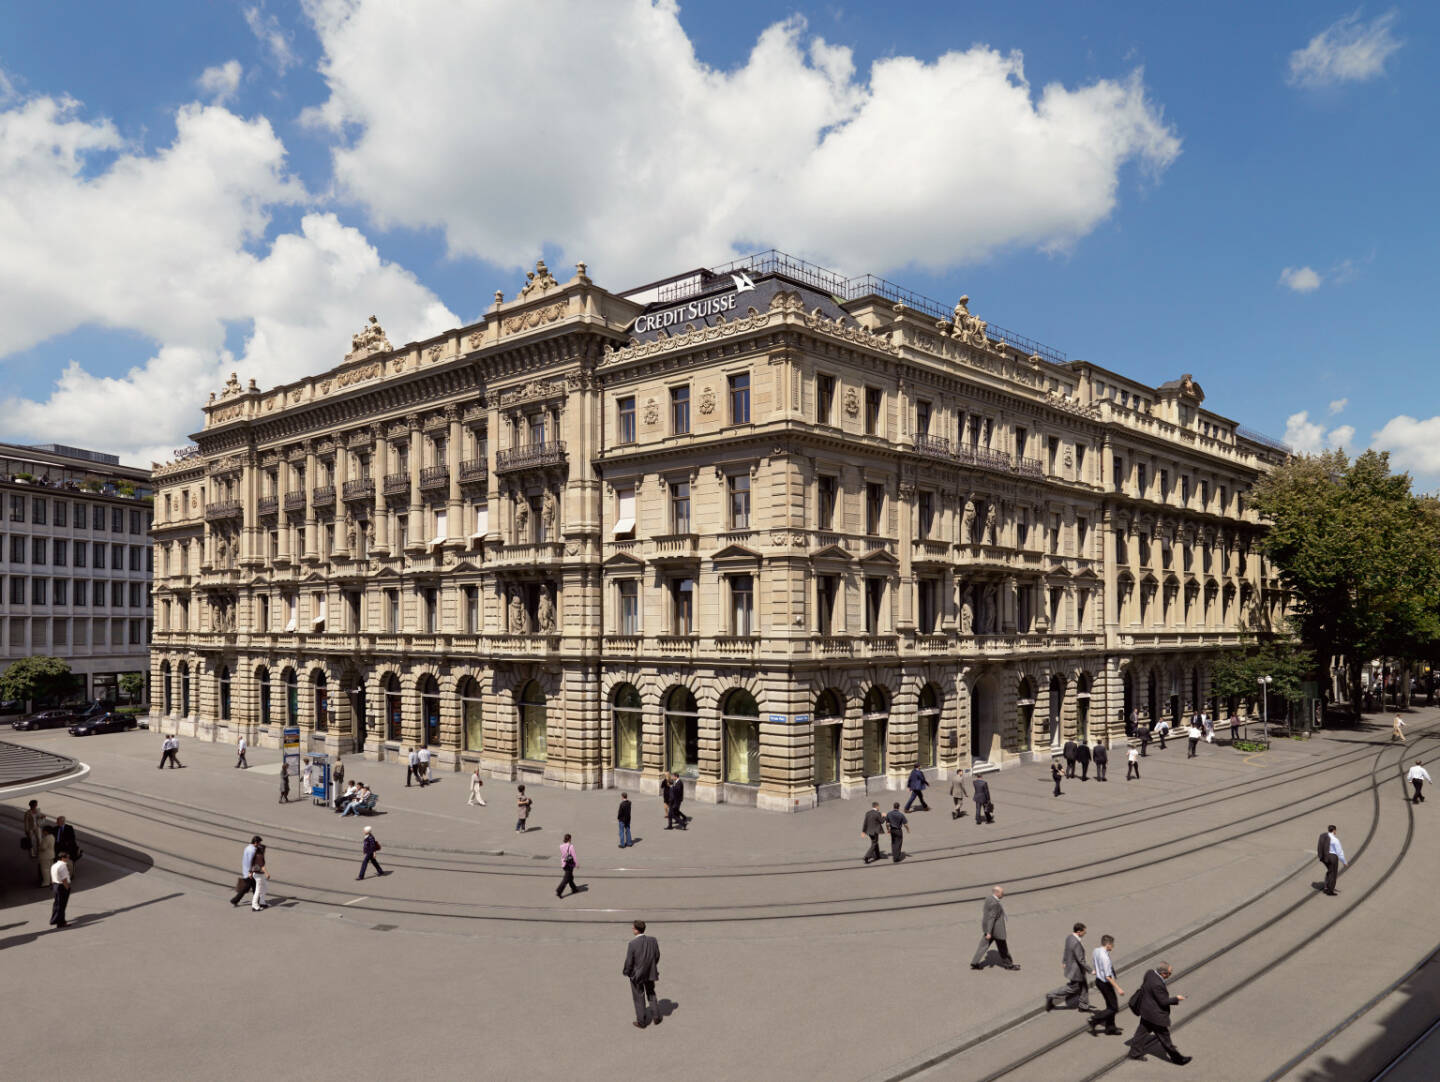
[
  {"x": 370, "y": 340},
  {"x": 538, "y": 280},
  {"x": 232, "y": 386}
]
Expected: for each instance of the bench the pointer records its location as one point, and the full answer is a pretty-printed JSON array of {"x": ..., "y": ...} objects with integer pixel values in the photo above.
[{"x": 367, "y": 805}]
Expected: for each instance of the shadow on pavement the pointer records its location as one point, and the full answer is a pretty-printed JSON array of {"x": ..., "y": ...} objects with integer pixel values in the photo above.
[
  {"x": 80, "y": 920},
  {"x": 19, "y": 876}
]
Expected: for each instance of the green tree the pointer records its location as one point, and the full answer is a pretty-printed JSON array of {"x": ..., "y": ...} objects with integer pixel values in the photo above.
[
  {"x": 1238, "y": 672},
  {"x": 132, "y": 684},
  {"x": 34, "y": 678},
  {"x": 1359, "y": 555}
]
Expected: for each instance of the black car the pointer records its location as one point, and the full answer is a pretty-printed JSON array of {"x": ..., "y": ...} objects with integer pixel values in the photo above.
[
  {"x": 103, "y": 723},
  {"x": 46, "y": 719}
]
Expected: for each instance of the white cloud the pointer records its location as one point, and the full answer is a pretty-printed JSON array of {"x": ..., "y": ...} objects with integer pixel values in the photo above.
[
  {"x": 1300, "y": 279},
  {"x": 1413, "y": 444},
  {"x": 1347, "y": 51},
  {"x": 1341, "y": 436},
  {"x": 170, "y": 244},
  {"x": 220, "y": 82},
  {"x": 660, "y": 162},
  {"x": 1338, "y": 406},
  {"x": 1309, "y": 437},
  {"x": 275, "y": 38}
]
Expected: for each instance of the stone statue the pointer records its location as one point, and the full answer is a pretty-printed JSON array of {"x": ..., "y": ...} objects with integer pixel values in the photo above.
[
  {"x": 987, "y": 611},
  {"x": 547, "y": 514},
  {"x": 522, "y": 521},
  {"x": 351, "y": 534},
  {"x": 221, "y": 550},
  {"x": 990, "y": 524},
  {"x": 517, "y": 613},
  {"x": 967, "y": 611},
  {"x": 369, "y": 533},
  {"x": 967, "y": 525},
  {"x": 547, "y": 611},
  {"x": 967, "y": 327}
]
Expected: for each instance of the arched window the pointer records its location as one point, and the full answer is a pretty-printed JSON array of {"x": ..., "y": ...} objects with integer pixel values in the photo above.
[
  {"x": 224, "y": 682},
  {"x": 532, "y": 722},
  {"x": 682, "y": 733},
  {"x": 166, "y": 701},
  {"x": 390, "y": 685},
  {"x": 1025, "y": 710},
  {"x": 927, "y": 725},
  {"x": 292, "y": 696},
  {"x": 321, "y": 692},
  {"x": 740, "y": 717},
  {"x": 262, "y": 681},
  {"x": 472, "y": 714},
  {"x": 430, "y": 710},
  {"x": 1055, "y": 711},
  {"x": 828, "y": 721},
  {"x": 184, "y": 689},
  {"x": 625, "y": 715},
  {"x": 876, "y": 720},
  {"x": 985, "y": 739}
]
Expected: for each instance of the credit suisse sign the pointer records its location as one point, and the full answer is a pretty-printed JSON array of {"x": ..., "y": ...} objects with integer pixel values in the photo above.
[{"x": 693, "y": 311}]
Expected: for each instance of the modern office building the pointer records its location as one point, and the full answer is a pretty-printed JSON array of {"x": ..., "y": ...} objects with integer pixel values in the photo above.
[
  {"x": 76, "y": 560},
  {"x": 781, "y": 532}
]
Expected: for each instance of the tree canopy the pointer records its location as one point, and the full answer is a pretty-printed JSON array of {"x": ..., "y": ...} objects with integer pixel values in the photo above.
[{"x": 33, "y": 678}]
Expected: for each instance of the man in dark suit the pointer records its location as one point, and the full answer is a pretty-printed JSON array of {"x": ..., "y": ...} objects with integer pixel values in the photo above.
[
  {"x": 1082, "y": 756},
  {"x": 897, "y": 825},
  {"x": 65, "y": 842},
  {"x": 992, "y": 927},
  {"x": 642, "y": 966},
  {"x": 917, "y": 784},
  {"x": 1327, "y": 850},
  {"x": 1154, "y": 1005},
  {"x": 677, "y": 797},
  {"x": 984, "y": 810},
  {"x": 1101, "y": 755},
  {"x": 1070, "y": 751},
  {"x": 871, "y": 828},
  {"x": 1145, "y": 739},
  {"x": 1072, "y": 962}
]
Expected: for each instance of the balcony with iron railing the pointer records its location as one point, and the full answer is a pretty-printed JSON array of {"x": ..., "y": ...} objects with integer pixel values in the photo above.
[
  {"x": 362, "y": 488},
  {"x": 294, "y": 501},
  {"x": 474, "y": 471},
  {"x": 534, "y": 456},
  {"x": 397, "y": 484},
  {"x": 267, "y": 505},
  {"x": 432, "y": 477},
  {"x": 933, "y": 446},
  {"x": 983, "y": 458},
  {"x": 323, "y": 496},
  {"x": 223, "y": 509}
]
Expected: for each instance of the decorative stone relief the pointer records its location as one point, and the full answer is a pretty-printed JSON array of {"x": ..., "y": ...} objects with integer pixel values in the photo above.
[
  {"x": 707, "y": 401},
  {"x": 536, "y": 316},
  {"x": 371, "y": 339},
  {"x": 652, "y": 412},
  {"x": 539, "y": 280},
  {"x": 852, "y": 402}
]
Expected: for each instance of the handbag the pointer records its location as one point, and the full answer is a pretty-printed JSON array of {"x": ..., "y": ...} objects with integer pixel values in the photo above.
[
  {"x": 1135, "y": 1002},
  {"x": 241, "y": 885},
  {"x": 569, "y": 863},
  {"x": 25, "y": 842}
]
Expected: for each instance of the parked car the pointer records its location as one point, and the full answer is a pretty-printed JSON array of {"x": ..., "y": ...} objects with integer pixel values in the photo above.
[
  {"x": 12, "y": 706},
  {"x": 46, "y": 719},
  {"x": 102, "y": 723}
]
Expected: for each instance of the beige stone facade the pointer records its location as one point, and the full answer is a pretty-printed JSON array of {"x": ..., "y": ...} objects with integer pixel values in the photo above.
[{"x": 782, "y": 533}]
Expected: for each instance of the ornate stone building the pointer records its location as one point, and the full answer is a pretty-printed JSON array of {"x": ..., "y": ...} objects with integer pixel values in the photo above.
[{"x": 784, "y": 533}]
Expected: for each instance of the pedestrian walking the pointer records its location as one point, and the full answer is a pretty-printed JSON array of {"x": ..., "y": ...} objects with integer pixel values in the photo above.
[
  {"x": 1101, "y": 755},
  {"x": 60, "y": 885},
  {"x": 917, "y": 785},
  {"x": 307, "y": 774},
  {"x": 246, "y": 883},
  {"x": 1070, "y": 751},
  {"x": 1056, "y": 774},
  {"x": 370, "y": 846},
  {"x": 261, "y": 875},
  {"x": 1208, "y": 724},
  {"x": 673, "y": 814},
  {"x": 34, "y": 820},
  {"x": 46, "y": 858},
  {"x": 240, "y": 760},
  {"x": 984, "y": 809},
  {"x": 1108, "y": 986},
  {"x": 992, "y": 932},
  {"x": 897, "y": 825},
  {"x": 1398, "y": 732},
  {"x": 175, "y": 762},
  {"x": 1332, "y": 855},
  {"x": 958, "y": 794},
  {"x": 622, "y": 819},
  {"x": 1418, "y": 776},
  {"x": 164, "y": 752},
  {"x": 1152, "y": 1003},
  {"x": 412, "y": 766},
  {"x": 65, "y": 840},
  {"x": 1194, "y": 734},
  {"x": 284, "y": 784},
  {"x": 642, "y": 966},
  {"x": 567, "y": 864},
  {"x": 1132, "y": 724},
  {"x": 424, "y": 757},
  {"x": 1075, "y": 968},
  {"x": 476, "y": 784},
  {"x": 1234, "y": 727},
  {"x": 338, "y": 774},
  {"x": 872, "y": 827},
  {"x": 1132, "y": 765},
  {"x": 1163, "y": 730},
  {"x": 1145, "y": 740},
  {"x": 1082, "y": 756},
  {"x": 522, "y": 808},
  {"x": 665, "y": 795}
]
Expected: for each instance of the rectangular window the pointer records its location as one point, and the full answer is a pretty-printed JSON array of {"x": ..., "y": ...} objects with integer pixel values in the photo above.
[
  {"x": 1119, "y": 472},
  {"x": 392, "y": 610},
  {"x": 136, "y": 598},
  {"x": 402, "y": 531},
  {"x": 81, "y": 551},
  {"x": 1164, "y": 484},
  {"x": 739, "y": 501},
  {"x": 682, "y": 605},
  {"x": 134, "y": 521},
  {"x": 873, "y": 399},
  {"x": 1054, "y": 454},
  {"x": 874, "y": 507},
  {"x": 826, "y": 488},
  {"x": 82, "y": 592},
  {"x": 1022, "y": 526},
  {"x": 1224, "y": 499},
  {"x": 1185, "y": 490},
  {"x": 922, "y": 418},
  {"x": 262, "y": 618},
  {"x": 537, "y": 431},
  {"x": 117, "y": 520},
  {"x": 824, "y": 398},
  {"x": 1140, "y": 478},
  {"x": 472, "y": 608},
  {"x": 38, "y": 590},
  {"x": 17, "y": 590},
  {"x": 925, "y": 606},
  {"x": 625, "y": 513},
  {"x": 1082, "y": 598},
  {"x": 37, "y": 550},
  {"x": 101, "y": 548},
  {"x": 429, "y": 609},
  {"x": 135, "y": 557},
  {"x": 1020, "y": 439},
  {"x": 680, "y": 507},
  {"x": 1055, "y": 533},
  {"x": 61, "y": 590},
  {"x": 827, "y": 593},
  {"x": 59, "y": 551},
  {"x": 1122, "y": 550},
  {"x": 627, "y": 592},
  {"x": 874, "y": 602},
  {"x": 680, "y": 410},
  {"x": 625, "y": 414},
  {"x": 926, "y": 513},
  {"x": 117, "y": 595},
  {"x": 1082, "y": 531},
  {"x": 62, "y": 633},
  {"x": 61, "y": 514},
  {"x": 742, "y": 604},
  {"x": 17, "y": 508},
  {"x": 740, "y": 398},
  {"x": 134, "y": 632},
  {"x": 37, "y": 510},
  {"x": 17, "y": 548},
  {"x": 482, "y": 521},
  {"x": 1204, "y": 495},
  {"x": 1080, "y": 462}
]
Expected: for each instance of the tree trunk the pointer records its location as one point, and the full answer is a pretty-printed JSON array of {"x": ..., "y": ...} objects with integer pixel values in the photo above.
[{"x": 1355, "y": 667}]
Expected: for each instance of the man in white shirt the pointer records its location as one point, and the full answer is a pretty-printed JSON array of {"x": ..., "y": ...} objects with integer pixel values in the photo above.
[
  {"x": 1330, "y": 854},
  {"x": 246, "y": 882},
  {"x": 424, "y": 766},
  {"x": 1132, "y": 764},
  {"x": 413, "y": 770},
  {"x": 60, "y": 877},
  {"x": 1195, "y": 733},
  {"x": 240, "y": 753},
  {"x": 1418, "y": 776},
  {"x": 1107, "y": 986}
]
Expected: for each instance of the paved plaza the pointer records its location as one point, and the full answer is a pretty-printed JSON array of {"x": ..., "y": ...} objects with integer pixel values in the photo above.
[{"x": 783, "y": 956}]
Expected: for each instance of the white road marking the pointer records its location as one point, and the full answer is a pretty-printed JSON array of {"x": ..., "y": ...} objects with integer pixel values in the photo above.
[{"x": 353, "y": 901}]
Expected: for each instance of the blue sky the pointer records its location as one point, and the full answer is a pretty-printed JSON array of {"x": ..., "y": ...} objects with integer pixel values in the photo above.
[{"x": 1241, "y": 191}]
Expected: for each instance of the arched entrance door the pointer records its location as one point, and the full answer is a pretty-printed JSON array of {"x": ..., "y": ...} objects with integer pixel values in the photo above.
[
  {"x": 430, "y": 710},
  {"x": 927, "y": 724},
  {"x": 740, "y": 717},
  {"x": 876, "y": 719},
  {"x": 533, "y": 735},
  {"x": 1055, "y": 707},
  {"x": 625, "y": 715},
  {"x": 985, "y": 721},
  {"x": 1082, "y": 708},
  {"x": 828, "y": 721},
  {"x": 1025, "y": 710},
  {"x": 682, "y": 733}
]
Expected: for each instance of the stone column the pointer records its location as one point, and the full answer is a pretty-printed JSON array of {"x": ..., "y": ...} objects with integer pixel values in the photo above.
[
  {"x": 417, "y": 458},
  {"x": 342, "y": 511},
  {"x": 454, "y": 523},
  {"x": 904, "y": 513},
  {"x": 311, "y": 549},
  {"x": 283, "y": 516},
  {"x": 1007, "y": 604},
  {"x": 379, "y": 467}
]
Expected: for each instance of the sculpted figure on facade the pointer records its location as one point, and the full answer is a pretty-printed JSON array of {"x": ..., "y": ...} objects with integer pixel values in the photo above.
[
  {"x": 522, "y": 520},
  {"x": 987, "y": 610},
  {"x": 990, "y": 524},
  {"x": 547, "y": 514},
  {"x": 371, "y": 339},
  {"x": 351, "y": 534},
  {"x": 967, "y": 610},
  {"x": 517, "y": 612},
  {"x": 547, "y": 610},
  {"x": 968, "y": 328}
]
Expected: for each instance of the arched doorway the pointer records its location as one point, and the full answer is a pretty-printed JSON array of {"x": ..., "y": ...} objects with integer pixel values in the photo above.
[
  {"x": 224, "y": 689},
  {"x": 1152, "y": 705},
  {"x": 430, "y": 711},
  {"x": 352, "y": 690},
  {"x": 184, "y": 689},
  {"x": 682, "y": 733},
  {"x": 390, "y": 686},
  {"x": 533, "y": 736},
  {"x": 1082, "y": 707},
  {"x": 472, "y": 714},
  {"x": 985, "y": 721},
  {"x": 1025, "y": 710},
  {"x": 292, "y": 696},
  {"x": 320, "y": 694},
  {"x": 167, "y": 703},
  {"x": 828, "y": 720},
  {"x": 1055, "y": 709},
  {"x": 740, "y": 720},
  {"x": 927, "y": 726},
  {"x": 1127, "y": 711},
  {"x": 625, "y": 721},
  {"x": 262, "y": 691},
  {"x": 875, "y": 717}
]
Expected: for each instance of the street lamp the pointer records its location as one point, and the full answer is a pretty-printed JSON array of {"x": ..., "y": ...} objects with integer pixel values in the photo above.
[{"x": 1265, "y": 682}]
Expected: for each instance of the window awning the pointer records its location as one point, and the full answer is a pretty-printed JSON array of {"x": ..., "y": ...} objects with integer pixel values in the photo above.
[
  {"x": 625, "y": 525},
  {"x": 291, "y": 625}
]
